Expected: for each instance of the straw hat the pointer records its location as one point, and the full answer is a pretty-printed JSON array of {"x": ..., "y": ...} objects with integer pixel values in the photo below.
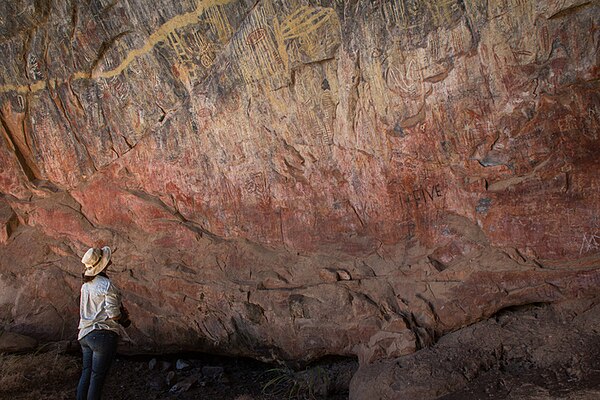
[{"x": 96, "y": 260}]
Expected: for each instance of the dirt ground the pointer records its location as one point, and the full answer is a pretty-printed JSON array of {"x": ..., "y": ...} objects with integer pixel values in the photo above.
[
  {"x": 54, "y": 375},
  {"x": 537, "y": 352},
  {"x": 546, "y": 352},
  {"x": 529, "y": 352}
]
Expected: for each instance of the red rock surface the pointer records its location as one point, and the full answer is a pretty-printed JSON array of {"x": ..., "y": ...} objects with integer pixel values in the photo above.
[
  {"x": 288, "y": 180},
  {"x": 534, "y": 352}
]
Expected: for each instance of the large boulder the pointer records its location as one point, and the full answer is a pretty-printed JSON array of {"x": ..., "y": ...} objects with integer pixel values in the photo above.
[
  {"x": 11, "y": 342},
  {"x": 531, "y": 352}
]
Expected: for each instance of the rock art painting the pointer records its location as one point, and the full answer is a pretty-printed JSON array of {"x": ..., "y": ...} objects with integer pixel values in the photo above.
[{"x": 290, "y": 179}]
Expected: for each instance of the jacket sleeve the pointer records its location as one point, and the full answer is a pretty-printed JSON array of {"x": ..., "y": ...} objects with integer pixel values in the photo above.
[{"x": 113, "y": 301}]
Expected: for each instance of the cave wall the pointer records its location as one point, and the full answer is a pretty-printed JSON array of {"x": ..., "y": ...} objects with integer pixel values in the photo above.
[{"x": 290, "y": 179}]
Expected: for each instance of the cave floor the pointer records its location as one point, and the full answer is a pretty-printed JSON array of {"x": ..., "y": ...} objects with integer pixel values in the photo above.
[
  {"x": 556, "y": 355},
  {"x": 535, "y": 352},
  {"x": 54, "y": 375}
]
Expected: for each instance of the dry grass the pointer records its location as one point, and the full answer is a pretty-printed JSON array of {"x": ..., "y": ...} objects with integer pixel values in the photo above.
[
  {"x": 312, "y": 383},
  {"x": 38, "y": 376}
]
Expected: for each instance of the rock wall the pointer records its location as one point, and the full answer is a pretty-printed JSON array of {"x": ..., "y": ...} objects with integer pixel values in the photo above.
[{"x": 287, "y": 179}]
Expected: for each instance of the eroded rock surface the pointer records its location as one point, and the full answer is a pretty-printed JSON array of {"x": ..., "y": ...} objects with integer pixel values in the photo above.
[
  {"x": 14, "y": 343},
  {"x": 537, "y": 352},
  {"x": 290, "y": 179}
]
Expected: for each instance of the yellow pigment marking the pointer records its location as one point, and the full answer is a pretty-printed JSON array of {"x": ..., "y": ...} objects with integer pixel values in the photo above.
[
  {"x": 442, "y": 11},
  {"x": 281, "y": 45},
  {"x": 258, "y": 55},
  {"x": 24, "y": 89},
  {"x": 304, "y": 21},
  {"x": 159, "y": 35},
  {"x": 219, "y": 24}
]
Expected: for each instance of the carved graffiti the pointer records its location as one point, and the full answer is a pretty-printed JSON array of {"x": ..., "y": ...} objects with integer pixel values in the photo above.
[
  {"x": 423, "y": 195},
  {"x": 592, "y": 121},
  {"x": 116, "y": 86},
  {"x": 34, "y": 69},
  {"x": 567, "y": 123},
  {"x": 232, "y": 103},
  {"x": 256, "y": 184},
  {"x": 120, "y": 88},
  {"x": 155, "y": 81},
  {"x": 590, "y": 241},
  {"x": 475, "y": 131},
  {"x": 103, "y": 84},
  {"x": 272, "y": 59},
  {"x": 409, "y": 15},
  {"x": 405, "y": 79},
  {"x": 419, "y": 196},
  {"x": 398, "y": 13}
]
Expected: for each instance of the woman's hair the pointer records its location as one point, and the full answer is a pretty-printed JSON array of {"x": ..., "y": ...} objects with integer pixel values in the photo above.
[{"x": 87, "y": 278}]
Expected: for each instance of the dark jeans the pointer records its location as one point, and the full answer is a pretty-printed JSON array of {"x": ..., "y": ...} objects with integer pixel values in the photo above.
[{"x": 99, "y": 348}]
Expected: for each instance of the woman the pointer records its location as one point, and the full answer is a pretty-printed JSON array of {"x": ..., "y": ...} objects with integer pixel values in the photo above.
[{"x": 100, "y": 313}]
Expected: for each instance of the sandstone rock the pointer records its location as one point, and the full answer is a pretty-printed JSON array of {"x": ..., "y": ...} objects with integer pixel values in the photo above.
[
  {"x": 184, "y": 385},
  {"x": 8, "y": 222},
  {"x": 328, "y": 275},
  {"x": 11, "y": 342},
  {"x": 182, "y": 364},
  {"x": 343, "y": 275},
  {"x": 507, "y": 353},
  {"x": 290, "y": 180}
]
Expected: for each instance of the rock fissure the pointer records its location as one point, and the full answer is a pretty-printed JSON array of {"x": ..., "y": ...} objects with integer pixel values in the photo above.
[{"x": 24, "y": 163}]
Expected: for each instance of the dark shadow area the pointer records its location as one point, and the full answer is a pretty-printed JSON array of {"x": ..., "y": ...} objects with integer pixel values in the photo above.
[{"x": 175, "y": 376}]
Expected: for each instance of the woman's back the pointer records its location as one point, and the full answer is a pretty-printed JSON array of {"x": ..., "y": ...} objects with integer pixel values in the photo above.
[{"x": 99, "y": 304}]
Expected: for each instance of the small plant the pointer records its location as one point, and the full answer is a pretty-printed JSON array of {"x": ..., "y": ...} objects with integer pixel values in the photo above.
[{"x": 308, "y": 384}]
